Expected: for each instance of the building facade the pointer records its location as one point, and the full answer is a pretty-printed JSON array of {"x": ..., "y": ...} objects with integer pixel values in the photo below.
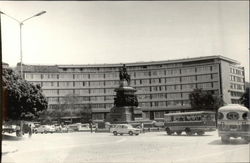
[{"x": 162, "y": 86}]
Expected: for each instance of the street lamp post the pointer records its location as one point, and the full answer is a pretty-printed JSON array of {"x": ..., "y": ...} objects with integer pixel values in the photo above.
[{"x": 20, "y": 28}]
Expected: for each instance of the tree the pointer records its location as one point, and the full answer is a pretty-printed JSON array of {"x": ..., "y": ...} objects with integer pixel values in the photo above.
[
  {"x": 70, "y": 102},
  {"x": 245, "y": 98},
  {"x": 86, "y": 113},
  {"x": 204, "y": 100},
  {"x": 23, "y": 100}
]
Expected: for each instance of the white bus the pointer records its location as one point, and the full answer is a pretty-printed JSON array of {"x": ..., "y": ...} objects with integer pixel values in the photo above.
[
  {"x": 233, "y": 121},
  {"x": 190, "y": 122}
]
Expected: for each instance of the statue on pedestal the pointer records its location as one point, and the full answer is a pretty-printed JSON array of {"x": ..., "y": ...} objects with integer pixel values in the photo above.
[{"x": 125, "y": 101}]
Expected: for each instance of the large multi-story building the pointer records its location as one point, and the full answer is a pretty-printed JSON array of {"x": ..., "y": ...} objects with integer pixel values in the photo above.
[{"x": 162, "y": 86}]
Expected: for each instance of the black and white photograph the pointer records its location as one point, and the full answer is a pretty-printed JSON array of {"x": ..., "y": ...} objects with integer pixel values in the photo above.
[{"x": 125, "y": 81}]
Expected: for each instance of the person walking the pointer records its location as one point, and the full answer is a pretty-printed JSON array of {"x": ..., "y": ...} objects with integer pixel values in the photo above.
[
  {"x": 142, "y": 127},
  {"x": 30, "y": 130}
]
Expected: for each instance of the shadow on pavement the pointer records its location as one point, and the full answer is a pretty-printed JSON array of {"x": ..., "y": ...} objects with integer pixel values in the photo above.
[
  {"x": 10, "y": 138},
  {"x": 183, "y": 135},
  {"x": 232, "y": 142}
]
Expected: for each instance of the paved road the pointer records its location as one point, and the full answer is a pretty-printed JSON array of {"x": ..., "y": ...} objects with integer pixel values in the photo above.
[{"x": 104, "y": 147}]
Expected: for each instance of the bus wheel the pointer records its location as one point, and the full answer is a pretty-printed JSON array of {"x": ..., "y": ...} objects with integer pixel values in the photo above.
[
  {"x": 115, "y": 133},
  {"x": 178, "y": 132},
  {"x": 225, "y": 139},
  {"x": 18, "y": 133},
  {"x": 247, "y": 139},
  {"x": 188, "y": 132},
  {"x": 200, "y": 133},
  {"x": 169, "y": 132}
]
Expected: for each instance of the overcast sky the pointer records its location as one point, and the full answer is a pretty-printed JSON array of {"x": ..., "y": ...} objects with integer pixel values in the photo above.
[{"x": 119, "y": 32}]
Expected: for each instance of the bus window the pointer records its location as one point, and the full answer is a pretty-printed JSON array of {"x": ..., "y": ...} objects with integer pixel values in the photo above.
[
  {"x": 181, "y": 118},
  {"x": 232, "y": 116},
  {"x": 220, "y": 115},
  {"x": 168, "y": 118},
  {"x": 244, "y": 116}
]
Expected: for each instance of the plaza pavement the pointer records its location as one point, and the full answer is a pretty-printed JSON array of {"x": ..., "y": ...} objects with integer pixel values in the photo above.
[{"x": 150, "y": 147}]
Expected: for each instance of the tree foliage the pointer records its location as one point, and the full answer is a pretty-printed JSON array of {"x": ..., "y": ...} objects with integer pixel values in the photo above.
[
  {"x": 245, "y": 98},
  {"x": 23, "y": 100},
  {"x": 204, "y": 100},
  {"x": 69, "y": 107}
]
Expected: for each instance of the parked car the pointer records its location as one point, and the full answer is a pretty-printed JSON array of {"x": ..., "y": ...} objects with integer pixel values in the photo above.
[
  {"x": 124, "y": 129},
  {"x": 39, "y": 129},
  {"x": 9, "y": 128},
  {"x": 73, "y": 127},
  {"x": 49, "y": 129},
  {"x": 45, "y": 129},
  {"x": 84, "y": 127},
  {"x": 64, "y": 129},
  {"x": 158, "y": 123}
]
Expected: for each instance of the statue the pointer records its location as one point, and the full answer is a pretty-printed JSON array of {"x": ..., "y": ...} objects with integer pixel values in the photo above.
[{"x": 124, "y": 74}]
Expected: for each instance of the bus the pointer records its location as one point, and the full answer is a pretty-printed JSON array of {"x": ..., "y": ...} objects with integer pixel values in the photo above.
[
  {"x": 190, "y": 122},
  {"x": 233, "y": 121}
]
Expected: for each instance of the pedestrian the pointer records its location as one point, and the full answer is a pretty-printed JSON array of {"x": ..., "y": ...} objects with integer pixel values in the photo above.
[
  {"x": 142, "y": 127},
  {"x": 30, "y": 130},
  {"x": 90, "y": 125}
]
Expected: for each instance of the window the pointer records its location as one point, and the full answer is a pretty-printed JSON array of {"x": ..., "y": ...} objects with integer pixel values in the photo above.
[
  {"x": 108, "y": 98},
  {"x": 143, "y": 97},
  {"x": 188, "y": 70},
  {"x": 188, "y": 79},
  {"x": 145, "y": 104},
  {"x": 204, "y": 85},
  {"x": 232, "y": 116},
  {"x": 97, "y": 91},
  {"x": 96, "y": 76},
  {"x": 203, "y": 77},
  {"x": 96, "y": 83},
  {"x": 82, "y": 91},
  {"x": 65, "y": 92},
  {"x": 155, "y": 81},
  {"x": 172, "y": 80},
  {"x": 203, "y": 69}
]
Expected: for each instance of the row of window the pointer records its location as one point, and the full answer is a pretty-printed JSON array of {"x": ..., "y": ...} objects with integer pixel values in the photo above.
[
  {"x": 186, "y": 79},
  {"x": 237, "y": 86},
  {"x": 115, "y": 75},
  {"x": 235, "y": 101},
  {"x": 63, "y": 92},
  {"x": 158, "y": 96},
  {"x": 236, "y": 71},
  {"x": 236, "y": 78},
  {"x": 164, "y": 103},
  {"x": 83, "y": 106},
  {"x": 236, "y": 94},
  {"x": 133, "y": 68},
  {"x": 143, "y": 104},
  {"x": 140, "y": 90}
]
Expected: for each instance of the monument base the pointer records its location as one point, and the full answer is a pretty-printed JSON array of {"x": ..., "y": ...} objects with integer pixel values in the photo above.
[{"x": 125, "y": 114}]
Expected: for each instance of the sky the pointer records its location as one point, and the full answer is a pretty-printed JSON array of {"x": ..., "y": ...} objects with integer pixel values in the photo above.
[{"x": 93, "y": 32}]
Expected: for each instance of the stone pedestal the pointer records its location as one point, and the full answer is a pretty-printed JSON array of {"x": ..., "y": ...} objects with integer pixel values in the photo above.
[
  {"x": 126, "y": 108},
  {"x": 121, "y": 114}
]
